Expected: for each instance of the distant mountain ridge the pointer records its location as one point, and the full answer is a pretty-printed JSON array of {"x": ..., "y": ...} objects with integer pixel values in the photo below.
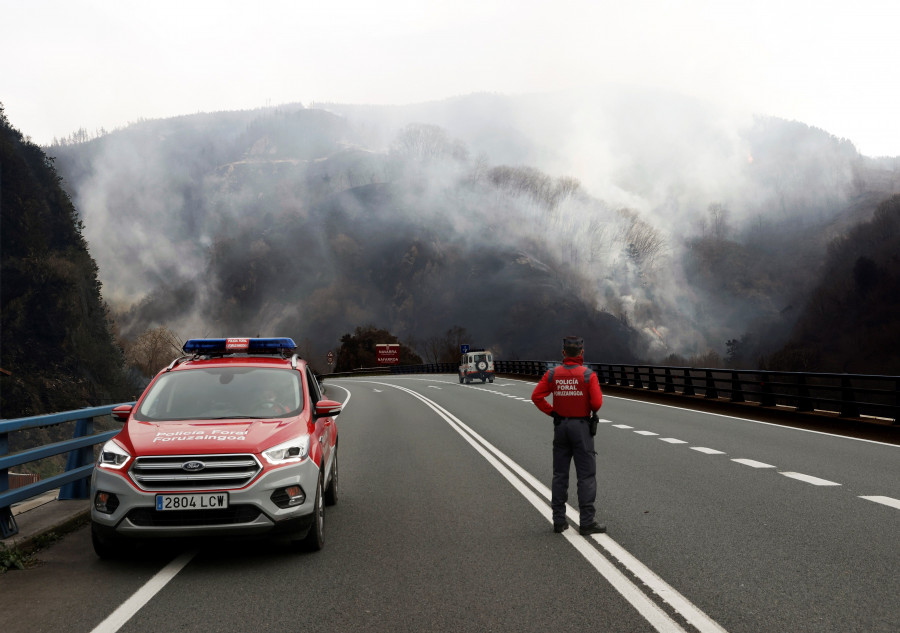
[{"x": 515, "y": 218}]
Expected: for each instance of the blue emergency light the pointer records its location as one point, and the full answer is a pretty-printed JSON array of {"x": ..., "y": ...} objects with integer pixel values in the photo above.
[{"x": 237, "y": 345}]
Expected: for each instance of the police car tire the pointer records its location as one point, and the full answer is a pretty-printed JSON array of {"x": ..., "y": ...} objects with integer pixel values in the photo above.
[
  {"x": 106, "y": 547},
  {"x": 331, "y": 492},
  {"x": 315, "y": 538}
]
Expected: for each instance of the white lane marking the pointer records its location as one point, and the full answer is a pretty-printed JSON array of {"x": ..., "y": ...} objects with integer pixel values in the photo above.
[
  {"x": 434, "y": 387},
  {"x": 349, "y": 395},
  {"x": 888, "y": 501},
  {"x": 671, "y": 440},
  {"x": 753, "y": 463},
  {"x": 622, "y": 426},
  {"x": 733, "y": 417},
  {"x": 659, "y": 586},
  {"x": 646, "y": 433},
  {"x": 809, "y": 479},
  {"x": 377, "y": 390},
  {"x": 117, "y": 619},
  {"x": 517, "y": 476},
  {"x": 602, "y": 421}
]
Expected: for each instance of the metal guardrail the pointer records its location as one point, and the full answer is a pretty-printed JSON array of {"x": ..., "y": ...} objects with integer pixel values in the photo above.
[
  {"x": 847, "y": 395},
  {"x": 73, "y": 483}
]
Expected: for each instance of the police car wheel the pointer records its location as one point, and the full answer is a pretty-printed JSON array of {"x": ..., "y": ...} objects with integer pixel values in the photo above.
[
  {"x": 331, "y": 492},
  {"x": 315, "y": 538},
  {"x": 483, "y": 380},
  {"x": 105, "y": 546},
  {"x": 481, "y": 365}
]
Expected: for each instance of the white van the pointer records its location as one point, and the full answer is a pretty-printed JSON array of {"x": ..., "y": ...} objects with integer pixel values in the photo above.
[{"x": 476, "y": 364}]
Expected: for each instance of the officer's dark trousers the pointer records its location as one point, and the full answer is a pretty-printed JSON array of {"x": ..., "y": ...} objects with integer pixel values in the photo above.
[{"x": 572, "y": 440}]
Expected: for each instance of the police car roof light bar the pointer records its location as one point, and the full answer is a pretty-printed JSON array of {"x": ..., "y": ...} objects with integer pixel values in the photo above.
[{"x": 237, "y": 345}]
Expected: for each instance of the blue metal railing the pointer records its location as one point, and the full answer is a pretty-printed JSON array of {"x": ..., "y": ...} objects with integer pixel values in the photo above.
[{"x": 73, "y": 483}]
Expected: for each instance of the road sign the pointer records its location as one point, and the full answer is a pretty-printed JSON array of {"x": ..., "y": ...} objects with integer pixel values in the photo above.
[
  {"x": 387, "y": 353},
  {"x": 463, "y": 349}
]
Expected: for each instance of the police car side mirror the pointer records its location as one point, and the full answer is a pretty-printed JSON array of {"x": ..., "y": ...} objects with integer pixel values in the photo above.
[
  {"x": 122, "y": 412},
  {"x": 327, "y": 408}
]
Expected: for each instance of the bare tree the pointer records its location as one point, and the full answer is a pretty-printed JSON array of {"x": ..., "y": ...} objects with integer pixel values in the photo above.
[
  {"x": 152, "y": 350},
  {"x": 424, "y": 143},
  {"x": 643, "y": 242},
  {"x": 445, "y": 349},
  {"x": 718, "y": 216}
]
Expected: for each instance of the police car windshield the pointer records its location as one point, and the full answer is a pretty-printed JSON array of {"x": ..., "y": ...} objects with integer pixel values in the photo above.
[{"x": 224, "y": 393}]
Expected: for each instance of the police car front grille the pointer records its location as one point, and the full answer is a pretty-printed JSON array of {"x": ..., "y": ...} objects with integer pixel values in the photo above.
[
  {"x": 219, "y": 472},
  {"x": 148, "y": 517}
]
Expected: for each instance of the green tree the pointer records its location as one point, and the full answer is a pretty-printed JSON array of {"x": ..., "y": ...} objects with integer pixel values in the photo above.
[
  {"x": 58, "y": 350},
  {"x": 358, "y": 349}
]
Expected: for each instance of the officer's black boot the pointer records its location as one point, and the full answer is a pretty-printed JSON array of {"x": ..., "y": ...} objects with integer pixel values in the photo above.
[{"x": 593, "y": 528}]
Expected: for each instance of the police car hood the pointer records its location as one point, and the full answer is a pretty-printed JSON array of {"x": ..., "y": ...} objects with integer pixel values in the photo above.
[{"x": 210, "y": 436}]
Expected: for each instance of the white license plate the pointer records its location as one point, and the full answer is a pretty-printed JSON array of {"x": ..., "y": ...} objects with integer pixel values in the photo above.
[{"x": 194, "y": 501}]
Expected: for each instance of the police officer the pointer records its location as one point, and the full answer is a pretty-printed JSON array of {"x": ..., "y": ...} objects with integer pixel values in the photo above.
[{"x": 576, "y": 396}]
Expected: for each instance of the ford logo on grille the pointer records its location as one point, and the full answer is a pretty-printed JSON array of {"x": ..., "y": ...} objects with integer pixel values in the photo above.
[{"x": 193, "y": 467}]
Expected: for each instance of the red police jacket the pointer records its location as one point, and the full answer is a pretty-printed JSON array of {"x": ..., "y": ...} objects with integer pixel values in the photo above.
[{"x": 575, "y": 390}]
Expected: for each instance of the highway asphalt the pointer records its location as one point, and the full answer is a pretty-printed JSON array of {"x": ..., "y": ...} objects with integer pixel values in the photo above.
[{"x": 715, "y": 524}]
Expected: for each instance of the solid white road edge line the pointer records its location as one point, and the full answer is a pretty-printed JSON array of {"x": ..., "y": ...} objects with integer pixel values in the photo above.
[
  {"x": 631, "y": 592},
  {"x": 117, "y": 619}
]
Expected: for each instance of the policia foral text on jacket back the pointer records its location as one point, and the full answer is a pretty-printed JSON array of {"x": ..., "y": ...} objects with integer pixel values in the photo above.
[{"x": 576, "y": 399}]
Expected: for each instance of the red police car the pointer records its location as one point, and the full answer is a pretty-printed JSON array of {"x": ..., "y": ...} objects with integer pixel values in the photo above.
[{"x": 233, "y": 438}]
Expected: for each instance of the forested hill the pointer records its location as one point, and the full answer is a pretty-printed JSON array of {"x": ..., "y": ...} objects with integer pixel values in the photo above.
[
  {"x": 57, "y": 349},
  {"x": 655, "y": 226},
  {"x": 852, "y": 320}
]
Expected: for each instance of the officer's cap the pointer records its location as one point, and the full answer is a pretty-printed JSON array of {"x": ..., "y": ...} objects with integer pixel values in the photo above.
[{"x": 575, "y": 342}]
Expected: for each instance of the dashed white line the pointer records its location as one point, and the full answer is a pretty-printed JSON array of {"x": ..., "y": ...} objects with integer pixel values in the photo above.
[
  {"x": 672, "y": 440},
  {"x": 809, "y": 479},
  {"x": 752, "y": 463},
  {"x": 888, "y": 501},
  {"x": 622, "y": 426},
  {"x": 708, "y": 451},
  {"x": 646, "y": 433}
]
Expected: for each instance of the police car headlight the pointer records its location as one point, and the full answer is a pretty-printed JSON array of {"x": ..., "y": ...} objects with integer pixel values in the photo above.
[
  {"x": 112, "y": 455},
  {"x": 294, "y": 450}
]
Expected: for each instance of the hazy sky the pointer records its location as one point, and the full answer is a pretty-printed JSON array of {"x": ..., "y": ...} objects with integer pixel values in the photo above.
[{"x": 66, "y": 64}]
